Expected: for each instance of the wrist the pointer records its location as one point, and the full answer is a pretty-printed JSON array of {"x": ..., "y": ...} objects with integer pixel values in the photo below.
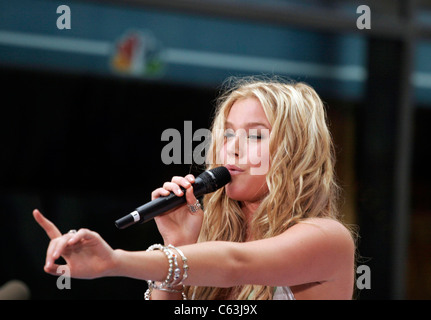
[{"x": 116, "y": 261}]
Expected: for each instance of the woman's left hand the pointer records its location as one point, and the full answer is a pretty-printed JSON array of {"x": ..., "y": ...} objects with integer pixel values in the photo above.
[
  {"x": 86, "y": 254},
  {"x": 179, "y": 226}
]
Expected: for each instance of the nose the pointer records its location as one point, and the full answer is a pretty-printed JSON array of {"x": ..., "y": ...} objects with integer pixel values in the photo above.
[{"x": 234, "y": 147}]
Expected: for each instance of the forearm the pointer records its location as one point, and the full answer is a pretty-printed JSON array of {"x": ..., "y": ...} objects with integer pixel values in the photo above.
[
  {"x": 210, "y": 264},
  {"x": 131, "y": 264},
  {"x": 140, "y": 265}
]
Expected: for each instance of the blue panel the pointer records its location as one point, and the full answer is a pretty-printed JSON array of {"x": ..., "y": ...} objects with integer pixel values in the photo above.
[{"x": 133, "y": 41}]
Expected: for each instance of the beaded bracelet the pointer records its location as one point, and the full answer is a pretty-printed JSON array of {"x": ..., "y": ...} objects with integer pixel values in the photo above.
[
  {"x": 177, "y": 270},
  {"x": 168, "y": 253},
  {"x": 174, "y": 275},
  {"x": 185, "y": 265}
]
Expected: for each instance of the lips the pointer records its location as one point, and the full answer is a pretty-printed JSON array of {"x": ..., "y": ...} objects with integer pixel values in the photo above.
[{"x": 234, "y": 170}]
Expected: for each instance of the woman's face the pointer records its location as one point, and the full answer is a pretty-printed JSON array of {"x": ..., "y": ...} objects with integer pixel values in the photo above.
[{"x": 245, "y": 152}]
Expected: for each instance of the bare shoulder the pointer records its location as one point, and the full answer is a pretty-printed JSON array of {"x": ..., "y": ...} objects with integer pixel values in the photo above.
[
  {"x": 326, "y": 239},
  {"x": 332, "y": 244},
  {"x": 329, "y": 228}
]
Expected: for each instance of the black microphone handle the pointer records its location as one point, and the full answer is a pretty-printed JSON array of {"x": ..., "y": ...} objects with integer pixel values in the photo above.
[
  {"x": 150, "y": 210},
  {"x": 160, "y": 205},
  {"x": 208, "y": 181}
]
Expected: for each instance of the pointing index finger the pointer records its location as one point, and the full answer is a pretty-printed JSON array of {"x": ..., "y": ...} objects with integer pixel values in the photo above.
[{"x": 50, "y": 228}]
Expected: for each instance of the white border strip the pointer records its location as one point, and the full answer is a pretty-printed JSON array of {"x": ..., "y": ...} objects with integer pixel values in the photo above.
[
  {"x": 258, "y": 64},
  {"x": 36, "y": 41}
]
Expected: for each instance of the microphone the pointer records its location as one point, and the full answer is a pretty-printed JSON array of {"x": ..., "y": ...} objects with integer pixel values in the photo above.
[
  {"x": 14, "y": 290},
  {"x": 206, "y": 182}
]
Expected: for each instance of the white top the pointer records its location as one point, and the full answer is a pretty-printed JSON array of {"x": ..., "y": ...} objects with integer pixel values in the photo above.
[{"x": 283, "y": 293}]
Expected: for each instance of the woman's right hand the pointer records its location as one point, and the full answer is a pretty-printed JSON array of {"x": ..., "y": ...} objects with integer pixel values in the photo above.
[
  {"x": 179, "y": 226},
  {"x": 87, "y": 255}
]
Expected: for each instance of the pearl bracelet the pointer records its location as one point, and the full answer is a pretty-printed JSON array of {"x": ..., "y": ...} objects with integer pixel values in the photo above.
[
  {"x": 185, "y": 265},
  {"x": 169, "y": 278},
  {"x": 174, "y": 274}
]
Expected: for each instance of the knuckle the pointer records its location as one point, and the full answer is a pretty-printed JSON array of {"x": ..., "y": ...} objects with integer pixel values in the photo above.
[{"x": 190, "y": 177}]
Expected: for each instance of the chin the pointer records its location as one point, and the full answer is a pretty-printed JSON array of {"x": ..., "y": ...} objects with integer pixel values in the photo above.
[
  {"x": 242, "y": 194},
  {"x": 235, "y": 193}
]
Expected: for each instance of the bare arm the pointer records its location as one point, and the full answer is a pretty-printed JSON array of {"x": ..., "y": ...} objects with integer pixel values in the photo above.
[
  {"x": 317, "y": 251},
  {"x": 320, "y": 250}
]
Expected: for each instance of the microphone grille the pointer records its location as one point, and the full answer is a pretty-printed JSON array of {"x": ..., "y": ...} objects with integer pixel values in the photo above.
[
  {"x": 221, "y": 175},
  {"x": 211, "y": 180}
]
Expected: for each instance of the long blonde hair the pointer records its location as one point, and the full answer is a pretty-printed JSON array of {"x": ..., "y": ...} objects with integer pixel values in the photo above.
[{"x": 300, "y": 180}]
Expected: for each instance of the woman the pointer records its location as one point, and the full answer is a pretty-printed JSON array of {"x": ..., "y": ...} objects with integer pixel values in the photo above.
[{"x": 271, "y": 233}]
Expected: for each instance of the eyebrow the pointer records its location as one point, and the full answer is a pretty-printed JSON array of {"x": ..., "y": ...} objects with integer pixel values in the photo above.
[{"x": 248, "y": 124}]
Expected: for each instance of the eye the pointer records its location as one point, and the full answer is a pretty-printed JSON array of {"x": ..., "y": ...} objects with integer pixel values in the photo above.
[
  {"x": 254, "y": 136},
  {"x": 229, "y": 133}
]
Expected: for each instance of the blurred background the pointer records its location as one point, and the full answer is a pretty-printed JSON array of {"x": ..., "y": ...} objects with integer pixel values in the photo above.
[{"x": 84, "y": 102}]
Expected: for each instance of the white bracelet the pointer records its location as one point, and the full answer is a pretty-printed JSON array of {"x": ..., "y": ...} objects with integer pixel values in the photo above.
[
  {"x": 169, "y": 277},
  {"x": 174, "y": 274},
  {"x": 185, "y": 265}
]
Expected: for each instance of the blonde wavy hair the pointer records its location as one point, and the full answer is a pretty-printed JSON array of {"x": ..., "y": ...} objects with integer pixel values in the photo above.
[{"x": 300, "y": 180}]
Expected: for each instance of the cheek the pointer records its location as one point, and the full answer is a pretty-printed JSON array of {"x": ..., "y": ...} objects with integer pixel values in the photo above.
[
  {"x": 223, "y": 154},
  {"x": 259, "y": 159},
  {"x": 254, "y": 153}
]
